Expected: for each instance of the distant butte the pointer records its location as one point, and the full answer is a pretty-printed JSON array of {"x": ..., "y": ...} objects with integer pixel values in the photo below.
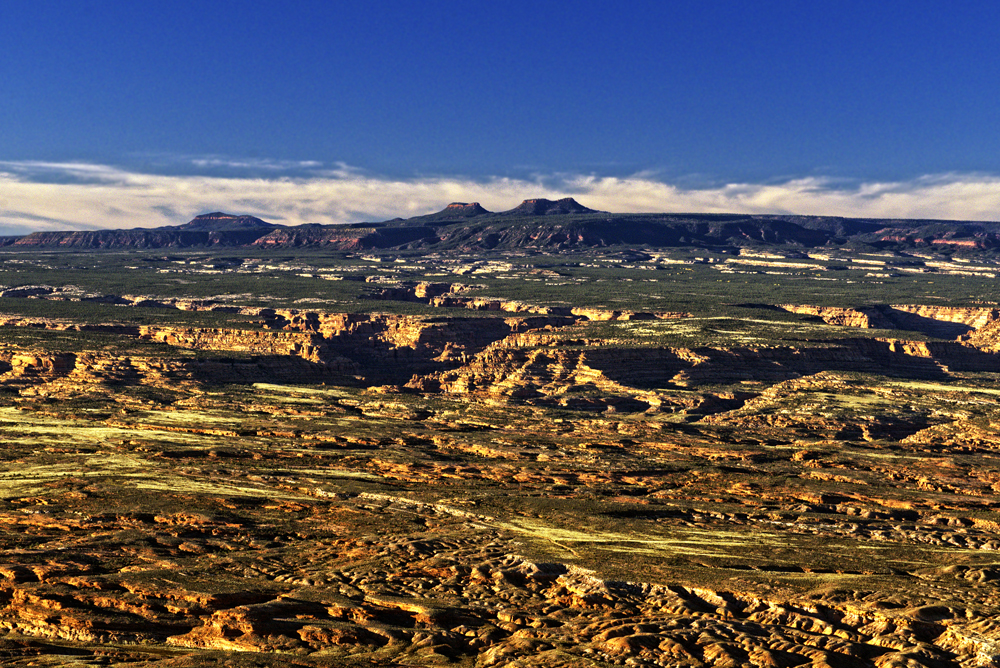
[
  {"x": 453, "y": 212},
  {"x": 546, "y": 207},
  {"x": 538, "y": 222},
  {"x": 218, "y": 220},
  {"x": 466, "y": 209},
  {"x": 215, "y": 215}
]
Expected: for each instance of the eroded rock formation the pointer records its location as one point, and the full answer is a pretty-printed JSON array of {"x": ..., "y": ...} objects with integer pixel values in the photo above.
[{"x": 322, "y": 489}]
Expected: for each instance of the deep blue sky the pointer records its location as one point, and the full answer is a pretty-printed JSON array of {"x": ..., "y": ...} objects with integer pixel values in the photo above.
[{"x": 702, "y": 91}]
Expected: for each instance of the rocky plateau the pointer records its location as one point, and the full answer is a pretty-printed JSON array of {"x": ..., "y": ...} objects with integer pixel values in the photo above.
[{"x": 624, "y": 459}]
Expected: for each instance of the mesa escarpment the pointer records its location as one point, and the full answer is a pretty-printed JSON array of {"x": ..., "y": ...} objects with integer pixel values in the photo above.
[
  {"x": 539, "y": 223},
  {"x": 159, "y": 238},
  {"x": 343, "y": 237},
  {"x": 546, "y": 207}
]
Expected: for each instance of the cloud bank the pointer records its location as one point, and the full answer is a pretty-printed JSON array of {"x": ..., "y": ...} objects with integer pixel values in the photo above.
[{"x": 80, "y": 196}]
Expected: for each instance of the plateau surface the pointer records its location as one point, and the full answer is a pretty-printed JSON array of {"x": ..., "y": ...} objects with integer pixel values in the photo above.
[{"x": 546, "y": 437}]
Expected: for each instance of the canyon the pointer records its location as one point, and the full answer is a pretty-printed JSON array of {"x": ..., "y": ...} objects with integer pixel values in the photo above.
[{"x": 629, "y": 457}]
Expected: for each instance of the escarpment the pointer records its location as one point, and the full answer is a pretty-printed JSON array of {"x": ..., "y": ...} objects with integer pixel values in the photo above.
[
  {"x": 939, "y": 321},
  {"x": 986, "y": 338},
  {"x": 521, "y": 369},
  {"x": 142, "y": 239},
  {"x": 71, "y": 372},
  {"x": 865, "y": 318},
  {"x": 308, "y": 346},
  {"x": 388, "y": 348},
  {"x": 374, "y": 348},
  {"x": 528, "y": 358}
]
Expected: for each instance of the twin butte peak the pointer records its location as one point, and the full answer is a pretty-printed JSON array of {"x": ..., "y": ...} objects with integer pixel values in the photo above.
[
  {"x": 530, "y": 207},
  {"x": 220, "y": 221}
]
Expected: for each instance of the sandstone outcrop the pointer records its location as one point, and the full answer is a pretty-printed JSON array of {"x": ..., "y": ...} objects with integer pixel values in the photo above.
[
  {"x": 298, "y": 344},
  {"x": 974, "y": 318},
  {"x": 71, "y": 372},
  {"x": 939, "y": 321},
  {"x": 447, "y": 295},
  {"x": 866, "y": 318},
  {"x": 537, "y": 368},
  {"x": 986, "y": 337}
]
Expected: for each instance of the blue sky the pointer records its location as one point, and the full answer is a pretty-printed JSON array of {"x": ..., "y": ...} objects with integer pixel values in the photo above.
[{"x": 134, "y": 114}]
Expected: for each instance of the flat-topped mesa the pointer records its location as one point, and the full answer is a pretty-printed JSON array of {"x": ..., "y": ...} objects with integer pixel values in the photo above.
[
  {"x": 466, "y": 208},
  {"x": 546, "y": 207},
  {"x": 456, "y": 211},
  {"x": 217, "y": 221}
]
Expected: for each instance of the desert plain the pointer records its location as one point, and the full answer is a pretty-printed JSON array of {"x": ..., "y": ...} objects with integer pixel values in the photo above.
[{"x": 547, "y": 437}]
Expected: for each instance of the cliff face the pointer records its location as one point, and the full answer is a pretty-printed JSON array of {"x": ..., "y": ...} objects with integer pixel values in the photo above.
[
  {"x": 986, "y": 338},
  {"x": 508, "y": 371},
  {"x": 974, "y": 318},
  {"x": 536, "y": 223},
  {"x": 865, "y": 318},
  {"x": 514, "y": 358},
  {"x": 938, "y": 321},
  {"x": 341, "y": 237},
  {"x": 72, "y": 373},
  {"x": 156, "y": 238},
  {"x": 537, "y": 368},
  {"x": 390, "y": 349},
  {"x": 376, "y": 349},
  {"x": 310, "y": 347}
]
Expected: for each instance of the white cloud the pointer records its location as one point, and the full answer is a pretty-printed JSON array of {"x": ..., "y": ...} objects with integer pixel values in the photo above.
[
  {"x": 47, "y": 196},
  {"x": 254, "y": 163}
]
